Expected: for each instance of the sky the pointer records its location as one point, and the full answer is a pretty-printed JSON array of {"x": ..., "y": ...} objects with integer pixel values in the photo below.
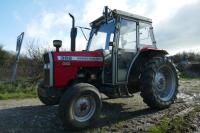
[{"x": 176, "y": 22}]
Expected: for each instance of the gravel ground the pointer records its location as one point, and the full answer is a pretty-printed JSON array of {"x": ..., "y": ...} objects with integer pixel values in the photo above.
[{"x": 118, "y": 115}]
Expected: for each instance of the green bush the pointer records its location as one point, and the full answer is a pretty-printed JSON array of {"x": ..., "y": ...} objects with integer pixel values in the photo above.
[
  {"x": 30, "y": 63},
  {"x": 3, "y": 55},
  {"x": 186, "y": 56}
]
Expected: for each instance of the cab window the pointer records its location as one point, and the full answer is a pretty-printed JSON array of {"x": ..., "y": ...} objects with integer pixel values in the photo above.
[{"x": 144, "y": 34}]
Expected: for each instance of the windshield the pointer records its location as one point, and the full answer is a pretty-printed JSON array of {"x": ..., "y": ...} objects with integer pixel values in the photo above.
[{"x": 101, "y": 36}]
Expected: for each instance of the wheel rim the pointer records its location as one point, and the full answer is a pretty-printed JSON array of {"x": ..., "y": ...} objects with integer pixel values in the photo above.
[
  {"x": 165, "y": 83},
  {"x": 84, "y": 108}
]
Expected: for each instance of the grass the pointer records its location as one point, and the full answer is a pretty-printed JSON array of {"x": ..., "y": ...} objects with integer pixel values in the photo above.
[
  {"x": 177, "y": 124},
  {"x": 17, "y": 90},
  {"x": 166, "y": 125}
]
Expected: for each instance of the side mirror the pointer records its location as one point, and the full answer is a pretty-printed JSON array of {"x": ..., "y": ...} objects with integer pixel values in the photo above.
[{"x": 111, "y": 44}]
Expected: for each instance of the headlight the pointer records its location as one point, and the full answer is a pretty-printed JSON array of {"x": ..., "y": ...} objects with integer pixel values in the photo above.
[{"x": 46, "y": 66}]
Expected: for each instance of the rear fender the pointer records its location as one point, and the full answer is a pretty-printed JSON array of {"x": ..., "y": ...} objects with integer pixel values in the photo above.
[
  {"x": 153, "y": 51},
  {"x": 142, "y": 55},
  {"x": 135, "y": 67}
]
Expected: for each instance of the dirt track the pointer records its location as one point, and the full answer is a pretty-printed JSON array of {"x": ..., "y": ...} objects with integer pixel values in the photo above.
[{"x": 118, "y": 115}]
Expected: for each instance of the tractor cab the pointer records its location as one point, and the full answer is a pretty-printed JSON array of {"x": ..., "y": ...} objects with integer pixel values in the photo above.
[
  {"x": 120, "y": 36},
  {"x": 130, "y": 28}
]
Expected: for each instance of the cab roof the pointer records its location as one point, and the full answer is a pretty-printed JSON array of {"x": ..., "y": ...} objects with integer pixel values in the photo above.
[
  {"x": 133, "y": 16},
  {"x": 116, "y": 12}
]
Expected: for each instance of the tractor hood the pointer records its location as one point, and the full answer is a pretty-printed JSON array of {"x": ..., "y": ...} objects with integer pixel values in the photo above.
[
  {"x": 78, "y": 58},
  {"x": 67, "y": 64}
]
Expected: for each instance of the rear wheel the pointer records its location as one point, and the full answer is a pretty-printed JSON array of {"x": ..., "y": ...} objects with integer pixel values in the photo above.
[
  {"x": 159, "y": 83},
  {"x": 80, "y": 106}
]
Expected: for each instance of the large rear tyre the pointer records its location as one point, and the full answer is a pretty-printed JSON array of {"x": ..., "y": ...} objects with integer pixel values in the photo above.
[
  {"x": 80, "y": 106},
  {"x": 159, "y": 83}
]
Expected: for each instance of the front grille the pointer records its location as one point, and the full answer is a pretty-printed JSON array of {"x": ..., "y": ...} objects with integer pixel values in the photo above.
[
  {"x": 46, "y": 58},
  {"x": 46, "y": 77}
]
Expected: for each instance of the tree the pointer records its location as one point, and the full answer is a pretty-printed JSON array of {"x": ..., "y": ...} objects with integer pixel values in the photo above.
[{"x": 3, "y": 54}]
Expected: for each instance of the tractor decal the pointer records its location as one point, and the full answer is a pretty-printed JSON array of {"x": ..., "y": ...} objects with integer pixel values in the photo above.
[{"x": 79, "y": 58}]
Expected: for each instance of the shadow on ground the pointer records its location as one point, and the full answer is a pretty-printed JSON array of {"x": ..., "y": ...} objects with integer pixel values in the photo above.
[
  {"x": 40, "y": 118},
  {"x": 115, "y": 112}
]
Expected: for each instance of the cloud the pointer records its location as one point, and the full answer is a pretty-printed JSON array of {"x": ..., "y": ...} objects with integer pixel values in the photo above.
[
  {"x": 158, "y": 10},
  {"x": 180, "y": 33},
  {"x": 94, "y": 8},
  {"x": 49, "y": 26},
  {"x": 168, "y": 20},
  {"x": 43, "y": 24},
  {"x": 163, "y": 10}
]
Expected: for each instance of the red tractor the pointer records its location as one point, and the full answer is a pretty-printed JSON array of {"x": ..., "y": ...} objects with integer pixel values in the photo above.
[{"x": 121, "y": 58}]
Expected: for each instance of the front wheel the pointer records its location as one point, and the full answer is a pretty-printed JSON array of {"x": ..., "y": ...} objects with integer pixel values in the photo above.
[
  {"x": 80, "y": 106},
  {"x": 159, "y": 83},
  {"x": 45, "y": 98}
]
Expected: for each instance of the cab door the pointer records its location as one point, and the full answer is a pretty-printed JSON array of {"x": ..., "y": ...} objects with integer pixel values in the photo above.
[
  {"x": 108, "y": 70},
  {"x": 126, "y": 50}
]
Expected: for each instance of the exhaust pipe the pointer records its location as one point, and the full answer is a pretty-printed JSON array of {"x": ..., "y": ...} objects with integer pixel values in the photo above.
[{"x": 73, "y": 34}]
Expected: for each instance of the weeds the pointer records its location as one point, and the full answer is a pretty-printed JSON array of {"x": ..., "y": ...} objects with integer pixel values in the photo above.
[
  {"x": 177, "y": 124},
  {"x": 18, "y": 89}
]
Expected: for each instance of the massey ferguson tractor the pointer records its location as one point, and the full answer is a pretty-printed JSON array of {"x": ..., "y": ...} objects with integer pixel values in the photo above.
[{"x": 121, "y": 58}]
